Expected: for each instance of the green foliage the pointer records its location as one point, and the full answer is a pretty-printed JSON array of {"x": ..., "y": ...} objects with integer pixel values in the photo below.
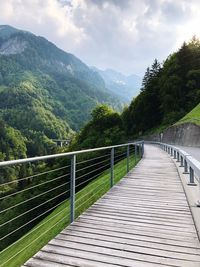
[
  {"x": 167, "y": 93},
  {"x": 104, "y": 129},
  {"x": 12, "y": 143},
  {"x": 193, "y": 116}
]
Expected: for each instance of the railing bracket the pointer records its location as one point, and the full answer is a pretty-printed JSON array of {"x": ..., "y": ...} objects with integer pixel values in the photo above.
[{"x": 198, "y": 204}]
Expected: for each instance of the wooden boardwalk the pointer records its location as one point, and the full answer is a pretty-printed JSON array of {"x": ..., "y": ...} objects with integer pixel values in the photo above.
[{"x": 144, "y": 220}]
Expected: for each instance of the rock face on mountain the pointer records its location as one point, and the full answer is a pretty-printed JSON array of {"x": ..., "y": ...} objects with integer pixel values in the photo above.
[{"x": 45, "y": 93}]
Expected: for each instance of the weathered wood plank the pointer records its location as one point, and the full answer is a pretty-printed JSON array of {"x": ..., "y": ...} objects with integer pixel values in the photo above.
[{"x": 143, "y": 221}]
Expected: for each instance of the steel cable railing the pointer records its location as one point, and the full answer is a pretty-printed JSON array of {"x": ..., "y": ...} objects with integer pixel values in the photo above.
[
  {"x": 37, "y": 238},
  {"x": 22, "y": 226},
  {"x": 27, "y": 200},
  {"x": 33, "y": 176},
  {"x": 55, "y": 189},
  {"x": 33, "y": 187},
  {"x": 22, "y": 214}
]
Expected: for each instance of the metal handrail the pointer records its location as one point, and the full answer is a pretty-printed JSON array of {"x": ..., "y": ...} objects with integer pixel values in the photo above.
[
  {"x": 74, "y": 180},
  {"x": 26, "y": 160},
  {"x": 190, "y": 164}
]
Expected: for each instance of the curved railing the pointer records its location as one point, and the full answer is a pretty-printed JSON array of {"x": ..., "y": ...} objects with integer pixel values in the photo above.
[{"x": 190, "y": 164}]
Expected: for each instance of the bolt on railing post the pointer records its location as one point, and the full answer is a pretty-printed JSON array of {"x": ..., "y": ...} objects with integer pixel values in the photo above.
[
  {"x": 127, "y": 158},
  {"x": 72, "y": 188},
  {"x": 112, "y": 167},
  {"x": 191, "y": 182}
]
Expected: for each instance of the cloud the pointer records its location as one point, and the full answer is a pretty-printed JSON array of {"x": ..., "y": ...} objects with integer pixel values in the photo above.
[{"x": 124, "y": 35}]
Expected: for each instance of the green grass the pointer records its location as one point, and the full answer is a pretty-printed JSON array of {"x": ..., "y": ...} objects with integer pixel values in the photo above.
[
  {"x": 33, "y": 241},
  {"x": 193, "y": 116}
]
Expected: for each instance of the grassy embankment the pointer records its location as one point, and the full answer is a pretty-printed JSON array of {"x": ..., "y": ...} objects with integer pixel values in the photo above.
[
  {"x": 193, "y": 116},
  {"x": 28, "y": 245}
]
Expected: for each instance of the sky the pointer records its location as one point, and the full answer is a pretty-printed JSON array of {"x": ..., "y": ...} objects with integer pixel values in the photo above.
[{"x": 125, "y": 35}]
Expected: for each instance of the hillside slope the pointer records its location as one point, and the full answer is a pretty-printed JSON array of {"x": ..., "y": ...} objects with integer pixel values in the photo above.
[
  {"x": 192, "y": 117},
  {"x": 44, "y": 91}
]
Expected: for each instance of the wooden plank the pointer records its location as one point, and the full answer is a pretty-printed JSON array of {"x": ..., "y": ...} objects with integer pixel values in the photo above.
[
  {"x": 156, "y": 243},
  {"x": 55, "y": 246},
  {"x": 60, "y": 241},
  {"x": 143, "y": 221},
  {"x": 89, "y": 259},
  {"x": 137, "y": 230}
]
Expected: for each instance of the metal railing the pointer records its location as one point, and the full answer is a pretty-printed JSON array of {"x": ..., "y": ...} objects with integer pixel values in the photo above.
[
  {"x": 55, "y": 192},
  {"x": 191, "y": 165}
]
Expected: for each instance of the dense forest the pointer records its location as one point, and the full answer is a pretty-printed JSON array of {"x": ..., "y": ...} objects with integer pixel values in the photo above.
[{"x": 168, "y": 92}]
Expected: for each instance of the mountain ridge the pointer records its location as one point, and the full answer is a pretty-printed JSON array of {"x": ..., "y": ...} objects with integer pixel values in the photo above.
[
  {"x": 125, "y": 86},
  {"x": 44, "y": 91}
]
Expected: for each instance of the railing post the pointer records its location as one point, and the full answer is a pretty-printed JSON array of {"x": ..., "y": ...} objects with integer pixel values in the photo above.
[
  {"x": 135, "y": 153},
  {"x": 127, "y": 159},
  {"x": 142, "y": 149},
  {"x": 174, "y": 154},
  {"x": 191, "y": 182},
  {"x": 112, "y": 167},
  {"x": 178, "y": 157},
  {"x": 182, "y": 165},
  {"x": 171, "y": 151},
  {"x": 185, "y": 166},
  {"x": 72, "y": 188}
]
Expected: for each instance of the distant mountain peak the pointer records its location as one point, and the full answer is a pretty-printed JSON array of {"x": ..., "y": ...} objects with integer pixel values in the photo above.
[{"x": 125, "y": 86}]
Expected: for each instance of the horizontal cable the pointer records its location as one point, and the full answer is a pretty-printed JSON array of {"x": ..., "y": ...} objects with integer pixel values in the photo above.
[
  {"x": 91, "y": 171},
  {"x": 93, "y": 177},
  {"x": 84, "y": 161},
  {"x": 88, "y": 198},
  {"x": 35, "y": 175},
  {"x": 34, "y": 239},
  {"x": 27, "y": 200},
  {"x": 33, "y": 208},
  {"x": 78, "y": 199},
  {"x": 34, "y": 186},
  {"x": 92, "y": 165},
  {"x": 120, "y": 155},
  {"x": 22, "y": 226}
]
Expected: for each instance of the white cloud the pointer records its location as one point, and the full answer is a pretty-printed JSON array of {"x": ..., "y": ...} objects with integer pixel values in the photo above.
[{"x": 124, "y": 35}]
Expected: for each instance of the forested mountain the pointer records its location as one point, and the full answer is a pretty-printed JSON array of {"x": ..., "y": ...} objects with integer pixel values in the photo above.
[
  {"x": 168, "y": 92},
  {"x": 45, "y": 93},
  {"x": 126, "y": 87}
]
